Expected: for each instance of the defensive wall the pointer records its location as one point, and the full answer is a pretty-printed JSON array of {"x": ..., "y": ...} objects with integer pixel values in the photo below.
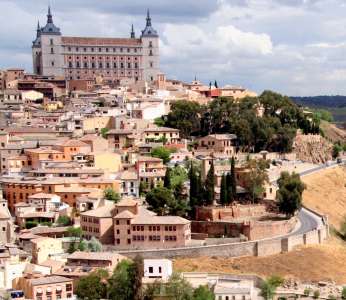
[{"x": 260, "y": 247}]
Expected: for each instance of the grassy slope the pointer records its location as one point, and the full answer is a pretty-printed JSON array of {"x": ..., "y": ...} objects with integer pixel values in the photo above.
[
  {"x": 333, "y": 133},
  {"x": 326, "y": 193}
]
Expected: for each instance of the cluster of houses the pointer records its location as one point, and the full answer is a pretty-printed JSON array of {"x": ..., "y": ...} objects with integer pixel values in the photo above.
[{"x": 62, "y": 145}]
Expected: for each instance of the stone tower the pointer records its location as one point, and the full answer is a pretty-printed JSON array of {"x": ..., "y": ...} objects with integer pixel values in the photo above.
[
  {"x": 46, "y": 49},
  {"x": 151, "y": 58}
]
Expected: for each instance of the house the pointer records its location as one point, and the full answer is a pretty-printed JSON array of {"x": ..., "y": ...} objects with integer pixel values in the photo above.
[
  {"x": 158, "y": 268},
  {"x": 44, "y": 248},
  {"x": 46, "y": 287},
  {"x": 217, "y": 143},
  {"x": 129, "y": 225}
]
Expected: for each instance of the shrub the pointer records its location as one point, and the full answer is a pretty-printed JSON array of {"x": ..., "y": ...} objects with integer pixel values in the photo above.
[
  {"x": 343, "y": 293},
  {"x": 30, "y": 224},
  {"x": 316, "y": 294},
  {"x": 64, "y": 221},
  {"x": 307, "y": 292}
]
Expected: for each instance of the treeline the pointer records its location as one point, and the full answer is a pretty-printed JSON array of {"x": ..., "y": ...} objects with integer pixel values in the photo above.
[
  {"x": 321, "y": 101},
  {"x": 268, "y": 122},
  {"x": 125, "y": 283}
]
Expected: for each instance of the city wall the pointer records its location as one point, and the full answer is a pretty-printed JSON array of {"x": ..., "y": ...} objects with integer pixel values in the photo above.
[{"x": 253, "y": 248}]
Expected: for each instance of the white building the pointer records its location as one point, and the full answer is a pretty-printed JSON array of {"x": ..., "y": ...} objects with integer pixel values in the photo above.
[{"x": 158, "y": 268}]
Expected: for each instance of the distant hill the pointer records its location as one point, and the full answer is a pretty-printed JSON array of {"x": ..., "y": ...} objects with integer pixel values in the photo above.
[
  {"x": 336, "y": 105},
  {"x": 321, "y": 101}
]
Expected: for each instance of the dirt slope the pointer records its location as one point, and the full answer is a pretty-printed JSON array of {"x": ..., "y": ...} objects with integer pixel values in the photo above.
[
  {"x": 332, "y": 133},
  {"x": 314, "y": 263},
  {"x": 326, "y": 193}
]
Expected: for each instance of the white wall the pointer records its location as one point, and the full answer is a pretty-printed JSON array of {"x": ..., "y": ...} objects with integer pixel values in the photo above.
[{"x": 152, "y": 268}]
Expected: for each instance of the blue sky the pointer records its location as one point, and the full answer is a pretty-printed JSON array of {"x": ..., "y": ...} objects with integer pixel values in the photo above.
[{"x": 296, "y": 47}]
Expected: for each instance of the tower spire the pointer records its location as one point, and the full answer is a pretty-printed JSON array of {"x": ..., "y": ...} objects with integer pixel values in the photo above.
[
  {"x": 148, "y": 18},
  {"x": 133, "y": 35},
  {"x": 49, "y": 16},
  {"x": 38, "y": 30}
]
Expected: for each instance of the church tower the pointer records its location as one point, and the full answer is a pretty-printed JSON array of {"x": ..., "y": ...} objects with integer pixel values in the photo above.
[
  {"x": 150, "y": 46},
  {"x": 47, "y": 58}
]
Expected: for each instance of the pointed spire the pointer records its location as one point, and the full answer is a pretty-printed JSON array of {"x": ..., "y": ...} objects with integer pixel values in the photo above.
[
  {"x": 49, "y": 16},
  {"x": 133, "y": 35},
  {"x": 38, "y": 30},
  {"x": 148, "y": 18}
]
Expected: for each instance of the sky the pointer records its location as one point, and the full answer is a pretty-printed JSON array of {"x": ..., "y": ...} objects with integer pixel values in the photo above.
[{"x": 295, "y": 47}]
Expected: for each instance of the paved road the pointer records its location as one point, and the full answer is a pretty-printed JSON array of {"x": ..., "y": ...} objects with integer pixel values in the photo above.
[{"x": 308, "y": 222}]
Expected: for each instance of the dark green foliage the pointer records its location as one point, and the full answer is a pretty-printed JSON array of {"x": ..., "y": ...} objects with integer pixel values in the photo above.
[
  {"x": 30, "y": 224},
  {"x": 104, "y": 132},
  {"x": 159, "y": 199},
  {"x": 161, "y": 152},
  {"x": 112, "y": 195},
  {"x": 185, "y": 116},
  {"x": 289, "y": 195},
  {"x": 337, "y": 148},
  {"x": 223, "y": 191},
  {"x": 64, "y": 221},
  {"x": 138, "y": 273},
  {"x": 273, "y": 131},
  {"x": 167, "y": 179},
  {"x": 159, "y": 121},
  {"x": 210, "y": 185},
  {"x": 232, "y": 192},
  {"x": 92, "y": 286},
  {"x": 203, "y": 293}
]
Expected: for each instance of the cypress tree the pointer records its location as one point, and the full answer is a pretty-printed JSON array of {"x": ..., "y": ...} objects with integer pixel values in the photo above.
[
  {"x": 167, "y": 180},
  {"x": 210, "y": 185},
  {"x": 229, "y": 188},
  {"x": 223, "y": 191},
  {"x": 233, "y": 181}
]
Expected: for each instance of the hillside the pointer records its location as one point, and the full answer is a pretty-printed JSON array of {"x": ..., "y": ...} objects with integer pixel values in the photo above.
[
  {"x": 326, "y": 192},
  {"x": 314, "y": 263},
  {"x": 333, "y": 133}
]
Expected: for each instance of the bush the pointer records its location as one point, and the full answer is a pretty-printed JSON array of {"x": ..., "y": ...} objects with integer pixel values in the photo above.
[
  {"x": 30, "y": 224},
  {"x": 64, "y": 221},
  {"x": 316, "y": 294},
  {"x": 307, "y": 292},
  {"x": 343, "y": 293}
]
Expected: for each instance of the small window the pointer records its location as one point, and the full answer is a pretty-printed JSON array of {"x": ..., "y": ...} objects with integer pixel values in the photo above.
[{"x": 151, "y": 270}]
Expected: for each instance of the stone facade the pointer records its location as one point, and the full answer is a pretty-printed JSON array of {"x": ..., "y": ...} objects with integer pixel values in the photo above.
[{"x": 114, "y": 59}]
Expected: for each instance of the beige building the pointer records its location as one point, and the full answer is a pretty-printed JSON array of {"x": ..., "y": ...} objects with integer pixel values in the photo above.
[
  {"x": 44, "y": 247},
  {"x": 217, "y": 143},
  {"x": 46, "y": 288},
  {"x": 134, "y": 227}
]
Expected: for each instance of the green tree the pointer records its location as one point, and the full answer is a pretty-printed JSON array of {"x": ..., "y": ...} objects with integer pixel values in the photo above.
[
  {"x": 337, "y": 148},
  {"x": 159, "y": 200},
  {"x": 185, "y": 116},
  {"x": 232, "y": 192},
  {"x": 269, "y": 286},
  {"x": 178, "y": 176},
  {"x": 64, "y": 221},
  {"x": 160, "y": 122},
  {"x": 177, "y": 288},
  {"x": 138, "y": 274},
  {"x": 289, "y": 194},
  {"x": 112, "y": 195},
  {"x": 94, "y": 245},
  {"x": 167, "y": 179},
  {"x": 210, "y": 185},
  {"x": 104, "y": 132},
  {"x": 92, "y": 286},
  {"x": 82, "y": 245},
  {"x": 161, "y": 152},
  {"x": 203, "y": 293},
  {"x": 121, "y": 283},
  {"x": 255, "y": 179},
  {"x": 223, "y": 191}
]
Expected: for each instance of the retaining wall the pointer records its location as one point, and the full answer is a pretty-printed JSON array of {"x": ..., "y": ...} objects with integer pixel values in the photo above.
[{"x": 252, "y": 248}]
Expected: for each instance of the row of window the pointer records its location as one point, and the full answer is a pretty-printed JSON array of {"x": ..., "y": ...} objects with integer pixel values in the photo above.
[
  {"x": 100, "y": 65},
  {"x": 122, "y": 58},
  {"x": 90, "y": 220},
  {"x": 156, "y": 238},
  {"x": 104, "y": 49},
  {"x": 90, "y": 229}
]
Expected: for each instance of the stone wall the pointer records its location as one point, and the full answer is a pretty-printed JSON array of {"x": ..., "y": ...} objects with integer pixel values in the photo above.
[
  {"x": 253, "y": 248},
  {"x": 216, "y": 213},
  {"x": 253, "y": 230}
]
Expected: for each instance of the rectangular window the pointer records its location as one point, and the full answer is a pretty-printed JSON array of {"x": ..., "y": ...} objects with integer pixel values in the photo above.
[{"x": 151, "y": 270}]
